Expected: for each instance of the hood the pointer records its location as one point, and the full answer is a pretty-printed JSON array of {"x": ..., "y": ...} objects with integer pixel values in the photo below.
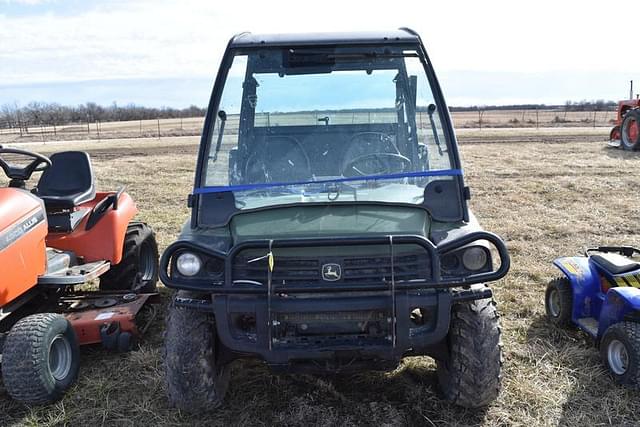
[{"x": 329, "y": 221}]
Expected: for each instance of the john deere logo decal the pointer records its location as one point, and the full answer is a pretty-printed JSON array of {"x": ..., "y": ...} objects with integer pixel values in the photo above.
[{"x": 331, "y": 272}]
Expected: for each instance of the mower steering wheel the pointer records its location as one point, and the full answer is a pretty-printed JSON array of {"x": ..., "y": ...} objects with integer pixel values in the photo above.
[
  {"x": 39, "y": 164},
  {"x": 382, "y": 159}
]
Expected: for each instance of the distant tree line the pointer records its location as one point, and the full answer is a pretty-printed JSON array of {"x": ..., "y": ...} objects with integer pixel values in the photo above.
[
  {"x": 52, "y": 114},
  {"x": 584, "y": 105}
]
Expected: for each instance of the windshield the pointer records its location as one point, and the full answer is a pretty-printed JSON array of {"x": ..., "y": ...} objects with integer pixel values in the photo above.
[{"x": 327, "y": 124}]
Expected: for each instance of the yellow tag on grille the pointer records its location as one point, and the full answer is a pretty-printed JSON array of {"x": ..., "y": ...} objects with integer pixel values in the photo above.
[{"x": 271, "y": 262}]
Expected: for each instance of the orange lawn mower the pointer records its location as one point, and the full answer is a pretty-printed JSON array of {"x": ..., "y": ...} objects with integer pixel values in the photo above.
[{"x": 54, "y": 239}]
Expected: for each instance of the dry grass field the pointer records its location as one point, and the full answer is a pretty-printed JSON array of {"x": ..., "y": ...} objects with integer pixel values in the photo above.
[{"x": 547, "y": 192}]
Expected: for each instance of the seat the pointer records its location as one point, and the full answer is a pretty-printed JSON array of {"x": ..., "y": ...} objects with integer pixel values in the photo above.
[
  {"x": 614, "y": 263},
  {"x": 68, "y": 182}
]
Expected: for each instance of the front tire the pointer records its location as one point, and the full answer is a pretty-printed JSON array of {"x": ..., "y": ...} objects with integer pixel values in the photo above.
[
  {"x": 138, "y": 269},
  {"x": 194, "y": 378},
  {"x": 558, "y": 302},
  {"x": 471, "y": 375},
  {"x": 40, "y": 359},
  {"x": 620, "y": 351}
]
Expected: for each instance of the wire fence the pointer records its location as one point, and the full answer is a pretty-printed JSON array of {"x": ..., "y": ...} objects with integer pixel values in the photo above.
[{"x": 158, "y": 128}]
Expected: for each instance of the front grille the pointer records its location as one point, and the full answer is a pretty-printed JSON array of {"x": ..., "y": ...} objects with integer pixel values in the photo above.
[{"x": 354, "y": 269}]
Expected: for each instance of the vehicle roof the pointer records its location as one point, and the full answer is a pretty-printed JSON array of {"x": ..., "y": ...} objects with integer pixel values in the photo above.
[{"x": 402, "y": 35}]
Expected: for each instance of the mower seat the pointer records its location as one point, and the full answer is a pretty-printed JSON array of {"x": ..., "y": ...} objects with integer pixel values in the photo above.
[
  {"x": 68, "y": 182},
  {"x": 614, "y": 263}
]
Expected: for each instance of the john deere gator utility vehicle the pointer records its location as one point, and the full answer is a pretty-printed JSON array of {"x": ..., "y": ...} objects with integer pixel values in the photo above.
[{"x": 329, "y": 227}]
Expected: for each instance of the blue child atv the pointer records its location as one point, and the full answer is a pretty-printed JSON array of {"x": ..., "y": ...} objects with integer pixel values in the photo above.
[{"x": 601, "y": 295}]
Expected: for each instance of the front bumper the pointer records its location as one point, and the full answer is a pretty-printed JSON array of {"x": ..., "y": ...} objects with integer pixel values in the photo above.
[
  {"x": 336, "y": 324},
  {"x": 335, "y": 330}
]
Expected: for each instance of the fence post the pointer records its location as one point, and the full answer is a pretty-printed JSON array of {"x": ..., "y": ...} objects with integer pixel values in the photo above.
[
  {"x": 537, "y": 121},
  {"x": 594, "y": 118},
  {"x": 158, "y": 127}
]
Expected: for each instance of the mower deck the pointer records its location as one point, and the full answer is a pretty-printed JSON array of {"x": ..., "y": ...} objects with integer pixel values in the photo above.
[{"x": 99, "y": 317}]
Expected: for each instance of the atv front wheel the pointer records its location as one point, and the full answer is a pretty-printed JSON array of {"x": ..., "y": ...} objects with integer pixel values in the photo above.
[
  {"x": 620, "y": 351},
  {"x": 471, "y": 375},
  {"x": 195, "y": 379},
  {"x": 630, "y": 130},
  {"x": 40, "y": 358},
  {"x": 558, "y": 302},
  {"x": 138, "y": 269}
]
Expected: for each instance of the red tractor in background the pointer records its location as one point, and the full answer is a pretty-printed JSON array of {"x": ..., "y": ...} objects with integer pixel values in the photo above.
[{"x": 626, "y": 132}]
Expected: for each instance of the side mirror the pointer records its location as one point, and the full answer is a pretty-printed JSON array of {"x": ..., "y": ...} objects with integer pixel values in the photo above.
[{"x": 431, "y": 109}]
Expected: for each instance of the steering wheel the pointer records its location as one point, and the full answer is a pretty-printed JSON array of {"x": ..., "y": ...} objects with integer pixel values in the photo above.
[
  {"x": 278, "y": 159},
  {"x": 384, "y": 160},
  {"x": 23, "y": 173}
]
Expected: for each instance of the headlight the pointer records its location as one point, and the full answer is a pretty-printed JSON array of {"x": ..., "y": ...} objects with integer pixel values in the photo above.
[
  {"x": 188, "y": 264},
  {"x": 474, "y": 258}
]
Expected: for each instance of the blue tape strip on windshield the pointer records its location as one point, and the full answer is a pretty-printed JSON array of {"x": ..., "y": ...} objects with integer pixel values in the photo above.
[{"x": 248, "y": 187}]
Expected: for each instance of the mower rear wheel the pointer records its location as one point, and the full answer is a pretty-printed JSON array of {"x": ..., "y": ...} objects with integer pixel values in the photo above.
[
  {"x": 630, "y": 130},
  {"x": 620, "y": 351},
  {"x": 138, "y": 269},
  {"x": 195, "y": 379},
  {"x": 558, "y": 302},
  {"x": 40, "y": 359},
  {"x": 470, "y": 377}
]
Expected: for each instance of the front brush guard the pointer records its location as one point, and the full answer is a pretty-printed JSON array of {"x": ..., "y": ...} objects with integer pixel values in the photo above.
[{"x": 226, "y": 287}]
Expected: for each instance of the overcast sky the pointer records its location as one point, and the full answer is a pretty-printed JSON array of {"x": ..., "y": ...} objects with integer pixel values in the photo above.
[{"x": 166, "y": 53}]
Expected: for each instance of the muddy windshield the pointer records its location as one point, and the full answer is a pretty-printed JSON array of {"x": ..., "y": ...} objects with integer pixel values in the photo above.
[{"x": 322, "y": 125}]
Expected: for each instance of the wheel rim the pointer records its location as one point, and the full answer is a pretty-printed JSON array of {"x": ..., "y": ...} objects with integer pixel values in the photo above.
[
  {"x": 618, "y": 357},
  {"x": 630, "y": 131},
  {"x": 147, "y": 262},
  {"x": 554, "y": 303},
  {"x": 615, "y": 134},
  {"x": 60, "y": 356}
]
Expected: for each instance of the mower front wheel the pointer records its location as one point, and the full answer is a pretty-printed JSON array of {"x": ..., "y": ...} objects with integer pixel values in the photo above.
[
  {"x": 558, "y": 302},
  {"x": 138, "y": 269},
  {"x": 195, "y": 378},
  {"x": 40, "y": 358},
  {"x": 620, "y": 351}
]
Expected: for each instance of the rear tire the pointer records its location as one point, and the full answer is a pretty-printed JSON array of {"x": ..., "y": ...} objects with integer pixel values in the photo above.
[
  {"x": 558, "y": 302},
  {"x": 471, "y": 376},
  {"x": 194, "y": 378},
  {"x": 40, "y": 359},
  {"x": 620, "y": 351},
  {"x": 138, "y": 269},
  {"x": 630, "y": 130}
]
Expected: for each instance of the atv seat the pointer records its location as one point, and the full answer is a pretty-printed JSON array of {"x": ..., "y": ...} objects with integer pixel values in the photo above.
[
  {"x": 68, "y": 182},
  {"x": 614, "y": 263}
]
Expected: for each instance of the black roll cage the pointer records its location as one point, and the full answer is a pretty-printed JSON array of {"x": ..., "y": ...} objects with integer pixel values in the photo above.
[{"x": 412, "y": 41}]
